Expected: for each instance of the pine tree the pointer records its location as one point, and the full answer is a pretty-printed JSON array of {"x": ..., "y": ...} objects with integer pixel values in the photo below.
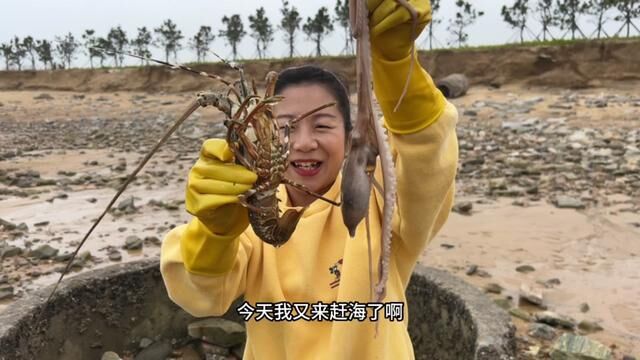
[
  {"x": 141, "y": 44},
  {"x": 435, "y": 7},
  {"x": 201, "y": 41},
  {"x": 342, "y": 18},
  {"x": 7, "y": 52},
  {"x": 19, "y": 52},
  {"x": 66, "y": 48},
  {"x": 629, "y": 10},
  {"x": 169, "y": 38},
  {"x": 545, "y": 10},
  {"x": 234, "y": 32},
  {"x": 29, "y": 46},
  {"x": 318, "y": 27},
  {"x": 89, "y": 43},
  {"x": 118, "y": 39},
  {"x": 568, "y": 12},
  {"x": 43, "y": 49},
  {"x": 516, "y": 16},
  {"x": 262, "y": 31},
  {"x": 465, "y": 16},
  {"x": 290, "y": 24}
]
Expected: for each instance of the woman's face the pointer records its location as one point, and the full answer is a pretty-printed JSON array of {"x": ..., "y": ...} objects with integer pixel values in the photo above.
[{"x": 316, "y": 142}]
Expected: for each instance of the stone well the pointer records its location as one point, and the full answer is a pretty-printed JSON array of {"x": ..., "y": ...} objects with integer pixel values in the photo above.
[{"x": 107, "y": 309}]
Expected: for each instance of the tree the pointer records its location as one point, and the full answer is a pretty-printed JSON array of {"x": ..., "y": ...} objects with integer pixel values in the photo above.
[
  {"x": 107, "y": 46},
  {"x": 290, "y": 24},
  {"x": 201, "y": 41},
  {"x": 7, "y": 52},
  {"x": 118, "y": 39},
  {"x": 90, "y": 42},
  {"x": 19, "y": 52},
  {"x": 342, "y": 18},
  {"x": 234, "y": 32},
  {"x": 629, "y": 10},
  {"x": 516, "y": 16},
  {"x": 141, "y": 44},
  {"x": 169, "y": 39},
  {"x": 66, "y": 48},
  {"x": 28, "y": 44},
  {"x": 465, "y": 16},
  {"x": 599, "y": 8},
  {"x": 262, "y": 31},
  {"x": 546, "y": 12},
  {"x": 435, "y": 6},
  {"x": 43, "y": 49},
  {"x": 568, "y": 12},
  {"x": 318, "y": 27}
]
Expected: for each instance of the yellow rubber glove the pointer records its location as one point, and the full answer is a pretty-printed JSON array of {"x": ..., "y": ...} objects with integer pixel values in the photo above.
[
  {"x": 213, "y": 186},
  {"x": 391, "y": 26}
]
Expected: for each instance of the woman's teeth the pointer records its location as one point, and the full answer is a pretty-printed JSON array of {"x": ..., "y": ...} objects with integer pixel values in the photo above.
[{"x": 308, "y": 165}]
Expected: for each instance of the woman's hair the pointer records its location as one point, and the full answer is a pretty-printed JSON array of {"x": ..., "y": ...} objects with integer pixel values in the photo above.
[{"x": 309, "y": 74}]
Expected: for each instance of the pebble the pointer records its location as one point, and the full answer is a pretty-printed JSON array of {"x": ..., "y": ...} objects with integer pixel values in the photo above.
[
  {"x": 133, "y": 242},
  {"x": 589, "y": 326},
  {"x": 43, "y": 252},
  {"x": 570, "y": 346},
  {"x": 525, "y": 269},
  {"x": 218, "y": 331},
  {"x": 463, "y": 207},
  {"x": 532, "y": 296},
  {"x": 584, "y": 307},
  {"x": 567, "y": 202},
  {"x": 555, "y": 320},
  {"x": 493, "y": 288},
  {"x": 541, "y": 331}
]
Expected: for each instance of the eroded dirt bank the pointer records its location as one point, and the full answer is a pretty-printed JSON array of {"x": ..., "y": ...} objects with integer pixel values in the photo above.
[{"x": 579, "y": 65}]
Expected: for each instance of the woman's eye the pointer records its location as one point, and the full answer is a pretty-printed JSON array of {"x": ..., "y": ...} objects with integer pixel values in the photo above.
[{"x": 324, "y": 127}]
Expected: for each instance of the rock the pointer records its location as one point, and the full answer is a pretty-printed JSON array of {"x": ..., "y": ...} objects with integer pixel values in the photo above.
[
  {"x": 218, "y": 331},
  {"x": 575, "y": 347},
  {"x": 555, "y": 320},
  {"x": 493, "y": 288},
  {"x": 157, "y": 350},
  {"x": 503, "y": 303},
  {"x": 472, "y": 269},
  {"x": 144, "y": 343},
  {"x": 63, "y": 257},
  {"x": 541, "y": 331},
  {"x": 567, "y": 202},
  {"x": 520, "y": 314},
  {"x": 154, "y": 240},
  {"x": 43, "y": 96},
  {"x": 127, "y": 206},
  {"x": 9, "y": 251},
  {"x": 584, "y": 307},
  {"x": 549, "y": 283},
  {"x": 6, "y": 292},
  {"x": 463, "y": 207},
  {"x": 43, "y": 252},
  {"x": 7, "y": 225},
  {"x": 589, "y": 326},
  {"x": 79, "y": 97},
  {"x": 110, "y": 355},
  {"x": 41, "y": 223},
  {"x": 629, "y": 357},
  {"x": 115, "y": 256},
  {"x": 133, "y": 243},
  {"x": 214, "y": 351},
  {"x": 532, "y": 296},
  {"x": 525, "y": 269}
]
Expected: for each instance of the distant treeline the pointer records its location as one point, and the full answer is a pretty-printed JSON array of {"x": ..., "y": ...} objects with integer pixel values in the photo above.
[{"x": 562, "y": 15}]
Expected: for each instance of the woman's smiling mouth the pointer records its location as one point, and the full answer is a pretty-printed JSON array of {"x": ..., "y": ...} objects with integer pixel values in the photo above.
[{"x": 306, "y": 167}]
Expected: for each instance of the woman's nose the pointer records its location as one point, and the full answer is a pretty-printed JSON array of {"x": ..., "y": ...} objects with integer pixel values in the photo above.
[{"x": 302, "y": 139}]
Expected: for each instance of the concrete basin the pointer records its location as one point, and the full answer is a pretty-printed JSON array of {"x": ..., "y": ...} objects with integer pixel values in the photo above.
[{"x": 114, "y": 307}]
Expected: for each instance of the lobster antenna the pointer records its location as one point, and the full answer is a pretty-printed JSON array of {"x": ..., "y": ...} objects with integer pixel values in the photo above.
[{"x": 173, "y": 66}]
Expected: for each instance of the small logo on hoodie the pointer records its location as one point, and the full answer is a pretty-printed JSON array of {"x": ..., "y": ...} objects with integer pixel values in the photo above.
[{"x": 335, "y": 271}]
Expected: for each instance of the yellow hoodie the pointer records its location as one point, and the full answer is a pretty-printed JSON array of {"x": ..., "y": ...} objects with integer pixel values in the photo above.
[{"x": 321, "y": 263}]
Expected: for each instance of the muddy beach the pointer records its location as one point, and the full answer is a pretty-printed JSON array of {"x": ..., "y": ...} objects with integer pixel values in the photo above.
[{"x": 547, "y": 214}]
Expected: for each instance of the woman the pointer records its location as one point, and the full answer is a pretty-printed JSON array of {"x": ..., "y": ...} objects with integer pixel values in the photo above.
[{"x": 216, "y": 257}]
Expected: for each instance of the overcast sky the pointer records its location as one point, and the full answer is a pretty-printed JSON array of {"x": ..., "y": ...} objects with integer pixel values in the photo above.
[{"x": 45, "y": 19}]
